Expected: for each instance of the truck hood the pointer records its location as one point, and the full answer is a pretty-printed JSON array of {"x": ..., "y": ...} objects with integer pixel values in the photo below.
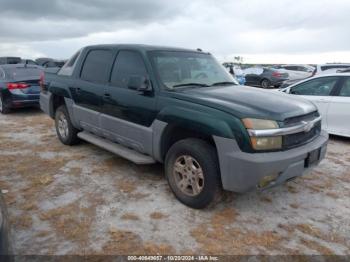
[{"x": 244, "y": 101}]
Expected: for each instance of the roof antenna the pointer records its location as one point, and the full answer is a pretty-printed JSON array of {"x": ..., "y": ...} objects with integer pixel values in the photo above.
[{"x": 199, "y": 50}]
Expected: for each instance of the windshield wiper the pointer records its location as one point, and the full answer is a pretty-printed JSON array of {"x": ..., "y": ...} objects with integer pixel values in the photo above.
[
  {"x": 224, "y": 83},
  {"x": 192, "y": 84}
]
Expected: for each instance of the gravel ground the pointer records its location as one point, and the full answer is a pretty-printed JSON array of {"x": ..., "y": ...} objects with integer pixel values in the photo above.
[{"x": 84, "y": 200}]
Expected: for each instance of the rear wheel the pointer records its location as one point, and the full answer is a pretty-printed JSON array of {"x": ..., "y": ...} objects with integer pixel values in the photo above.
[
  {"x": 66, "y": 132},
  {"x": 265, "y": 83},
  {"x": 3, "y": 107},
  {"x": 192, "y": 170}
]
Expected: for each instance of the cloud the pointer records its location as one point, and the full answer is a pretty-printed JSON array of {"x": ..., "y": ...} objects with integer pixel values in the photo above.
[
  {"x": 56, "y": 19},
  {"x": 20, "y": 50},
  {"x": 270, "y": 29}
]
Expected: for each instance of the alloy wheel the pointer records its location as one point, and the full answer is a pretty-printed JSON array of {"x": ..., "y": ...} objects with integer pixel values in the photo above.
[
  {"x": 188, "y": 175},
  {"x": 63, "y": 125}
]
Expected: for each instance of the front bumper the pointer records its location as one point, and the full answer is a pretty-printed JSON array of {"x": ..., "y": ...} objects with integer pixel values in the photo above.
[
  {"x": 45, "y": 103},
  {"x": 242, "y": 172}
]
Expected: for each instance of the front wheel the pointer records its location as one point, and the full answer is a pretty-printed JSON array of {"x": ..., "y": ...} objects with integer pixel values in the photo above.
[
  {"x": 66, "y": 132},
  {"x": 265, "y": 83},
  {"x": 192, "y": 171}
]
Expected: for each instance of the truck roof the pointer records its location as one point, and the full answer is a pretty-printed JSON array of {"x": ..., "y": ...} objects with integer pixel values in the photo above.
[{"x": 143, "y": 47}]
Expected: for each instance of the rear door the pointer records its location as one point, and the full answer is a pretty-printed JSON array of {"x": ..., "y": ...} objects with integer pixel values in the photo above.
[
  {"x": 88, "y": 90},
  {"x": 320, "y": 92},
  {"x": 128, "y": 113},
  {"x": 339, "y": 108}
]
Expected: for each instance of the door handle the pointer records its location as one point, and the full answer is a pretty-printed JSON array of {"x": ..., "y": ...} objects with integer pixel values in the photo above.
[{"x": 107, "y": 95}]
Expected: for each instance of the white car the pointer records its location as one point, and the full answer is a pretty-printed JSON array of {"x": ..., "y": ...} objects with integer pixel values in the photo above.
[
  {"x": 330, "y": 68},
  {"x": 331, "y": 94},
  {"x": 298, "y": 71}
]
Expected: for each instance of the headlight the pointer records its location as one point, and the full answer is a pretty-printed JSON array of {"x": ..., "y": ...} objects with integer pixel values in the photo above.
[
  {"x": 266, "y": 143},
  {"x": 263, "y": 143}
]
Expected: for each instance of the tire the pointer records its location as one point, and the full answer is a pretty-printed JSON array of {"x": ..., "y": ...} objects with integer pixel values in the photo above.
[
  {"x": 66, "y": 132},
  {"x": 3, "y": 107},
  {"x": 202, "y": 157},
  {"x": 265, "y": 83}
]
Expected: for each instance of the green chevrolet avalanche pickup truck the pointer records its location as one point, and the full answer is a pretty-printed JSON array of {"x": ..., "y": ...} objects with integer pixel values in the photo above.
[{"x": 180, "y": 107}]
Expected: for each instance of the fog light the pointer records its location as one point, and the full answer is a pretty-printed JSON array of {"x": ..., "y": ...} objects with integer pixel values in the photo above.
[{"x": 266, "y": 180}]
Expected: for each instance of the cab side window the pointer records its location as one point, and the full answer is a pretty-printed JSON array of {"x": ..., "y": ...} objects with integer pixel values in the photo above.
[
  {"x": 97, "y": 66},
  {"x": 127, "y": 64},
  {"x": 316, "y": 87},
  {"x": 345, "y": 90}
]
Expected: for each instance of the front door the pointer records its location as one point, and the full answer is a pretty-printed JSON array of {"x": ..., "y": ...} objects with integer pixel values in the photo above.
[
  {"x": 127, "y": 113},
  {"x": 88, "y": 90},
  {"x": 338, "y": 112},
  {"x": 319, "y": 91}
]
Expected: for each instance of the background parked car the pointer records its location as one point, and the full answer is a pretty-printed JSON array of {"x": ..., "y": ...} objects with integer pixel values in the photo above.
[
  {"x": 331, "y": 94},
  {"x": 330, "y": 68},
  {"x": 28, "y": 62},
  {"x": 49, "y": 62},
  {"x": 298, "y": 71},
  {"x": 19, "y": 86},
  {"x": 10, "y": 60},
  {"x": 264, "y": 77},
  {"x": 347, "y": 70}
]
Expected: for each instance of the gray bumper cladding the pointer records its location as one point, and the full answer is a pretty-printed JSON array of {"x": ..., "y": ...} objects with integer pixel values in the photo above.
[
  {"x": 45, "y": 103},
  {"x": 241, "y": 172}
]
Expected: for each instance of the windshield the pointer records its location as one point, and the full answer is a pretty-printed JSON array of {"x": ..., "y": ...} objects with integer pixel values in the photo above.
[{"x": 177, "y": 69}]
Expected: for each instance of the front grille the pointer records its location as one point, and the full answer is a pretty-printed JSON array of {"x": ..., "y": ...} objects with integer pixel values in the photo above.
[
  {"x": 294, "y": 140},
  {"x": 297, "y": 119}
]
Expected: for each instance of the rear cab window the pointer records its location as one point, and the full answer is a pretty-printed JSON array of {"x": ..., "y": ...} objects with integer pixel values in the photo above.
[{"x": 67, "y": 69}]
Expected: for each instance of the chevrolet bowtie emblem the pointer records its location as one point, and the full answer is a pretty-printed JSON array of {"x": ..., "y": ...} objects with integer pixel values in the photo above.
[{"x": 308, "y": 126}]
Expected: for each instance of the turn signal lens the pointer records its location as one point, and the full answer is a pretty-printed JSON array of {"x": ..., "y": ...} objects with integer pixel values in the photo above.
[{"x": 259, "y": 124}]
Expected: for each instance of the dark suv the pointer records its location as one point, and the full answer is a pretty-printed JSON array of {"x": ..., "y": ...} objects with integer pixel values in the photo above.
[{"x": 180, "y": 107}]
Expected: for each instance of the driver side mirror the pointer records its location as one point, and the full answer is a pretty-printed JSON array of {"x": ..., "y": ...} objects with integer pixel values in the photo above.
[{"x": 139, "y": 83}]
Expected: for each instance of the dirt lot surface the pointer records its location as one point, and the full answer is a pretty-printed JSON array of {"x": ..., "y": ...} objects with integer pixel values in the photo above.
[{"x": 84, "y": 200}]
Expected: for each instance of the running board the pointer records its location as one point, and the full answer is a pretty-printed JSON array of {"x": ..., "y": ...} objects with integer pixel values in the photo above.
[{"x": 117, "y": 149}]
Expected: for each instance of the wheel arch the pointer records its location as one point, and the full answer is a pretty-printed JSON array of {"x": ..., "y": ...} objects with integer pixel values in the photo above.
[
  {"x": 264, "y": 79},
  {"x": 175, "y": 132}
]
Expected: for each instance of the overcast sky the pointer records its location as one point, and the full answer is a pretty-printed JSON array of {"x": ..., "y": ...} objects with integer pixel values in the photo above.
[{"x": 268, "y": 31}]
